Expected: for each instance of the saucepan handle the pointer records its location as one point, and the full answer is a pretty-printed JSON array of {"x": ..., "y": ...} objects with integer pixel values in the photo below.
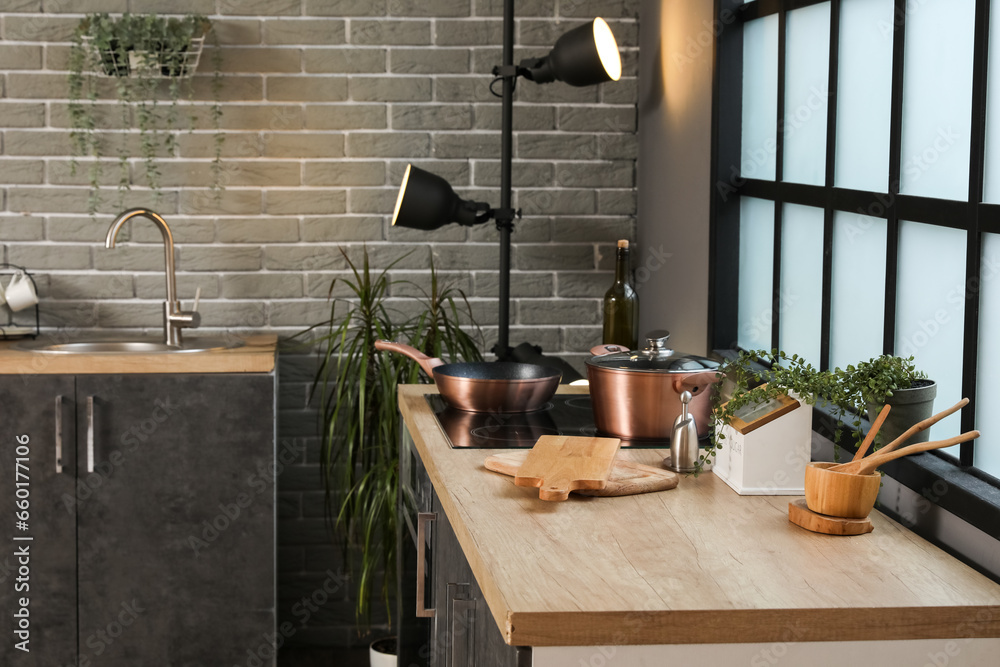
[
  {"x": 428, "y": 364},
  {"x": 598, "y": 350},
  {"x": 696, "y": 382}
]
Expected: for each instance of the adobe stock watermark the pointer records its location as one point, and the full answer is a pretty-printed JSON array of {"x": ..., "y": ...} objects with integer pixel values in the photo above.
[
  {"x": 302, "y": 611},
  {"x": 258, "y": 483},
  {"x": 696, "y": 47},
  {"x": 101, "y": 640},
  {"x": 131, "y": 439},
  {"x": 753, "y": 159},
  {"x": 653, "y": 260},
  {"x": 761, "y": 323},
  {"x": 930, "y": 327}
]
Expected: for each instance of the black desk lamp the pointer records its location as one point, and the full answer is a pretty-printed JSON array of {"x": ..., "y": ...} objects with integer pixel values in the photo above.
[{"x": 584, "y": 56}]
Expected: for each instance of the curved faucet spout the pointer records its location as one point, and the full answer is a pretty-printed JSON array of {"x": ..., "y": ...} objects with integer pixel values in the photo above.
[
  {"x": 173, "y": 317},
  {"x": 168, "y": 242}
]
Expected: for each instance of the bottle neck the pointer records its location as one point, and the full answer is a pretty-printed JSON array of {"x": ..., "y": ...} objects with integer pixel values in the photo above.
[{"x": 621, "y": 266}]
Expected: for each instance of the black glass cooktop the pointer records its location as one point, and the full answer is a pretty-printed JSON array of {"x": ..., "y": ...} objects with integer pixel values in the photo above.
[{"x": 568, "y": 414}]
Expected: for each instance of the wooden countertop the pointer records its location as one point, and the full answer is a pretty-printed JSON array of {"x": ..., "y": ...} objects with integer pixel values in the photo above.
[
  {"x": 257, "y": 356},
  {"x": 696, "y": 564}
]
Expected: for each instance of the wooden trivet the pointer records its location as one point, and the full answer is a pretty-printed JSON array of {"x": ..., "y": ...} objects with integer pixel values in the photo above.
[{"x": 800, "y": 514}]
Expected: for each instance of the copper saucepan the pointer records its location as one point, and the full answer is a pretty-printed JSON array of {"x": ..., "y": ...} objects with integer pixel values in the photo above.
[
  {"x": 636, "y": 394},
  {"x": 485, "y": 386}
]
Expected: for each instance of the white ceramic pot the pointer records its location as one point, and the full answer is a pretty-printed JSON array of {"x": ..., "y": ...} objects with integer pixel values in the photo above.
[{"x": 377, "y": 654}]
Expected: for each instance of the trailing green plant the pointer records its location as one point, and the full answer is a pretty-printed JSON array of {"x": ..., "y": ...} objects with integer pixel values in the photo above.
[
  {"x": 356, "y": 388},
  {"x": 137, "y": 52},
  {"x": 758, "y": 376}
]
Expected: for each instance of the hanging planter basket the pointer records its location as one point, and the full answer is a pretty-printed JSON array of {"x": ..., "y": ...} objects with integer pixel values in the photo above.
[{"x": 165, "y": 63}]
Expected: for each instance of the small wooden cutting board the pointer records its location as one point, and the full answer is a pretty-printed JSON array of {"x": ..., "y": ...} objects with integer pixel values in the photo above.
[
  {"x": 627, "y": 477},
  {"x": 558, "y": 464}
]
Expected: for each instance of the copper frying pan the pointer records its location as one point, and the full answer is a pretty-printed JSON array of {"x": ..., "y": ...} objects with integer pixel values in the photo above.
[{"x": 485, "y": 386}]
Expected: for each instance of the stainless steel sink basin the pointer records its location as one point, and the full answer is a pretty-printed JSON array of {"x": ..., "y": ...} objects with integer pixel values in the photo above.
[{"x": 130, "y": 346}]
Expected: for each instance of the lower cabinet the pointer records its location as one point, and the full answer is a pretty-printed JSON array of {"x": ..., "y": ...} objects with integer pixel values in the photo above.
[
  {"x": 151, "y": 518},
  {"x": 461, "y": 631}
]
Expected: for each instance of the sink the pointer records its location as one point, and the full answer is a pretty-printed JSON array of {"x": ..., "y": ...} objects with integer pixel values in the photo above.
[{"x": 127, "y": 346}]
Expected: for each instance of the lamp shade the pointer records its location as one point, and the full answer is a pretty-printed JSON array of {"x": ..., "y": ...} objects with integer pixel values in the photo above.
[
  {"x": 427, "y": 201},
  {"x": 584, "y": 56}
]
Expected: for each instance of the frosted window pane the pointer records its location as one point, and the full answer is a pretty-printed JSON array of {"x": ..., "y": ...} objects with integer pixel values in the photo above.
[
  {"x": 937, "y": 98},
  {"x": 930, "y": 308},
  {"x": 988, "y": 389},
  {"x": 801, "y": 281},
  {"x": 863, "y": 95},
  {"x": 807, "y": 93},
  {"x": 857, "y": 309},
  {"x": 756, "y": 271},
  {"x": 991, "y": 189},
  {"x": 760, "y": 98}
]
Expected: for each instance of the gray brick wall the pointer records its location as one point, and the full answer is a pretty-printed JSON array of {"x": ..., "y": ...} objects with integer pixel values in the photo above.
[{"x": 324, "y": 104}]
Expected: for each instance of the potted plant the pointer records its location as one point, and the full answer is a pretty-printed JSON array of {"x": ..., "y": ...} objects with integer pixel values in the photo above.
[
  {"x": 757, "y": 377},
  {"x": 894, "y": 381},
  {"x": 137, "y": 52},
  {"x": 356, "y": 388}
]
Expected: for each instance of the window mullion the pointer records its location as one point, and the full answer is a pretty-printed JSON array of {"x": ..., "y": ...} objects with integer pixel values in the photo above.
[
  {"x": 831, "y": 166},
  {"x": 895, "y": 160},
  {"x": 778, "y": 175},
  {"x": 973, "y": 258}
]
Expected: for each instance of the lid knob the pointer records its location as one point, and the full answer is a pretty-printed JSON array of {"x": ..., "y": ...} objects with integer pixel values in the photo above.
[{"x": 657, "y": 340}]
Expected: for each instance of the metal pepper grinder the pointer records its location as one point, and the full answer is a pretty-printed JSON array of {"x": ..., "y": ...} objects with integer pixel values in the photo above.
[{"x": 684, "y": 439}]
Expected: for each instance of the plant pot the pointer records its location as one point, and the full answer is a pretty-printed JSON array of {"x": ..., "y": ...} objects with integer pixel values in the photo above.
[
  {"x": 114, "y": 61},
  {"x": 909, "y": 406},
  {"x": 382, "y": 652}
]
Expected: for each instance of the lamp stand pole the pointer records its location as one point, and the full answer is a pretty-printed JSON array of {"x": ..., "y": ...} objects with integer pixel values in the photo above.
[{"x": 504, "y": 216}]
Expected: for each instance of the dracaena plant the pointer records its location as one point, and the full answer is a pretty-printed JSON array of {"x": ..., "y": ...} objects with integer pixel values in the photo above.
[
  {"x": 758, "y": 376},
  {"x": 145, "y": 57},
  {"x": 356, "y": 391}
]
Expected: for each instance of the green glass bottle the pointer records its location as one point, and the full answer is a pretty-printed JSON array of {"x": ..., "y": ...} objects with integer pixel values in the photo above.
[{"x": 621, "y": 305}]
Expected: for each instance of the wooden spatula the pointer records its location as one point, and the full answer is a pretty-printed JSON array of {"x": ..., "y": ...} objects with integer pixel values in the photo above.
[
  {"x": 921, "y": 425},
  {"x": 872, "y": 432},
  {"x": 867, "y": 466},
  {"x": 558, "y": 464}
]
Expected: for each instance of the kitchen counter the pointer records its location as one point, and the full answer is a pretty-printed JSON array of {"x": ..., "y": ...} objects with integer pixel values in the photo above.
[
  {"x": 257, "y": 356},
  {"x": 698, "y": 564}
]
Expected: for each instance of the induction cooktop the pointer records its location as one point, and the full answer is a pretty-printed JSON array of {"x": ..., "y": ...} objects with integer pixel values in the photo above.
[{"x": 566, "y": 414}]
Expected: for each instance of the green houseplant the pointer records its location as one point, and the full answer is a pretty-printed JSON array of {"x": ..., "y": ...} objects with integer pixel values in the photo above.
[
  {"x": 356, "y": 388},
  {"x": 759, "y": 376},
  {"x": 145, "y": 57}
]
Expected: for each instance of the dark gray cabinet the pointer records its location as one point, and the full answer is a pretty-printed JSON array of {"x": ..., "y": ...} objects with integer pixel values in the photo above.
[
  {"x": 168, "y": 489},
  {"x": 38, "y": 556},
  {"x": 462, "y": 631}
]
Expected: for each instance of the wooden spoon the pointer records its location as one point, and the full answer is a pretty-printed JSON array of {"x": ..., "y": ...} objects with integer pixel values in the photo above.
[
  {"x": 921, "y": 425},
  {"x": 863, "y": 449},
  {"x": 868, "y": 465}
]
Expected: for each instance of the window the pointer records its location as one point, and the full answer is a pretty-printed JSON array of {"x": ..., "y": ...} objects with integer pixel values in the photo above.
[{"x": 857, "y": 196}]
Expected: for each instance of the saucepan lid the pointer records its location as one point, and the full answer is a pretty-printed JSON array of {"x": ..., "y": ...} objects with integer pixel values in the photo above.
[{"x": 654, "y": 357}]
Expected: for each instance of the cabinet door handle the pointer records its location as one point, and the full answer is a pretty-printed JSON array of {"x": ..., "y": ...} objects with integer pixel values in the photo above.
[
  {"x": 423, "y": 518},
  {"x": 59, "y": 434},
  {"x": 90, "y": 434},
  {"x": 463, "y": 632}
]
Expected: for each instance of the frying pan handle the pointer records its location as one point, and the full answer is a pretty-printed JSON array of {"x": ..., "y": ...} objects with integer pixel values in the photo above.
[
  {"x": 426, "y": 363},
  {"x": 598, "y": 350},
  {"x": 696, "y": 383}
]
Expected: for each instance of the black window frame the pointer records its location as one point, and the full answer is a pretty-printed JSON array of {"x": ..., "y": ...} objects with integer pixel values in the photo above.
[{"x": 973, "y": 495}]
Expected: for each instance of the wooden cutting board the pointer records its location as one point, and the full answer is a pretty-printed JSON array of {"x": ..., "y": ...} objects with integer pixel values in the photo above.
[
  {"x": 558, "y": 464},
  {"x": 627, "y": 478}
]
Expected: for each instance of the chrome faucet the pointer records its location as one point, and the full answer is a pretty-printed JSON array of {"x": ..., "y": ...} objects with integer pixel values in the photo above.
[{"x": 174, "y": 319}]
